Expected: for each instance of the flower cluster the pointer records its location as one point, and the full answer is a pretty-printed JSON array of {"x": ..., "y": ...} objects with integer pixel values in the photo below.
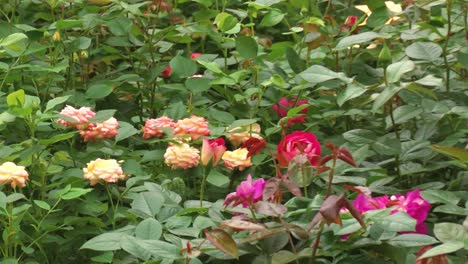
[
  {"x": 412, "y": 203},
  {"x": 12, "y": 174},
  {"x": 80, "y": 119},
  {"x": 107, "y": 170}
]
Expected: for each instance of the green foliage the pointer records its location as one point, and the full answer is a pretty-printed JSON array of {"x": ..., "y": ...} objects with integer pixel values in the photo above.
[{"x": 390, "y": 89}]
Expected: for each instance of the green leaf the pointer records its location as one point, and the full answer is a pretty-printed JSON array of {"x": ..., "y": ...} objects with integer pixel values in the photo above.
[
  {"x": 218, "y": 179},
  {"x": 42, "y": 204},
  {"x": 451, "y": 209},
  {"x": 440, "y": 196},
  {"x": 242, "y": 122},
  {"x": 247, "y": 47},
  {"x": 319, "y": 74},
  {"x": 387, "y": 145},
  {"x": 16, "y": 98},
  {"x": 104, "y": 242},
  {"x": 222, "y": 241},
  {"x": 352, "y": 91},
  {"x": 183, "y": 67},
  {"x": 398, "y": 222},
  {"x": 106, "y": 257},
  {"x": 412, "y": 240},
  {"x": 132, "y": 245},
  {"x": 119, "y": 26},
  {"x": 385, "y": 95},
  {"x": 161, "y": 249},
  {"x": 14, "y": 197},
  {"x": 212, "y": 66},
  {"x": 295, "y": 62},
  {"x": 74, "y": 193},
  {"x": 126, "y": 130},
  {"x": 149, "y": 228},
  {"x": 68, "y": 23},
  {"x": 56, "y": 101},
  {"x": 445, "y": 248},
  {"x": 446, "y": 232},
  {"x": 360, "y": 136},
  {"x": 100, "y": 90},
  {"x": 452, "y": 152},
  {"x": 428, "y": 51},
  {"x": 103, "y": 115},
  {"x": 359, "y": 39},
  {"x": 57, "y": 138},
  {"x": 272, "y": 18},
  {"x": 197, "y": 84},
  {"x": 12, "y": 39},
  {"x": 148, "y": 204},
  {"x": 378, "y": 17},
  {"x": 396, "y": 70},
  {"x": 405, "y": 113}
]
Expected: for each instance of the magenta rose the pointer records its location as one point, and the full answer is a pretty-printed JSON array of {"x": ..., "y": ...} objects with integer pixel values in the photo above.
[
  {"x": 283, "y": 105},
  {"x": 299, "y": 142}
]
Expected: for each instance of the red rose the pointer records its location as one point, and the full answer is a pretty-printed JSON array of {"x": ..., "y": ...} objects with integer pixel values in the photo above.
[
  {"x": 195, "y": 55},
  {"x": 298, "y": 142},
  {"x": 283, "y": 105},
  {"x": 167, "y": 72}
]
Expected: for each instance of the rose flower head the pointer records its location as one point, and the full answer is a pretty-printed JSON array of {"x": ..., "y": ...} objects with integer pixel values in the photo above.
[
  {"x": 107, "y": 170},
  {"x": 195, "y": 55},
  {"x": 284, "y": 105},
  {"x": 81, "y": 116},
  {"x": 237, "y": 159},
  {"x": 299, "y": 142},
  {"x": 96, "y": 131},
  {"x": 195, "y": 126},
  {"x": 239, "y": 135},
  {"x": 414, "y": 205},
  {"x": 247, "y": 193},
  {"x": 12, "y": 174},
  {"x": 181, "y": 156},
  {"x": 212, "y": 150},
  {"x": 153, "y": 127},
  {"x": 167, "y": 72}
]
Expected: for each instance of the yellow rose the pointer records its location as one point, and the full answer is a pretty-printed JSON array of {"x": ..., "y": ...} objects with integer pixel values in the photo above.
[
  {"x": 106, "y": 170},
  {"x": 13, "y": 174},
  {"x": 237, "y": 159}
]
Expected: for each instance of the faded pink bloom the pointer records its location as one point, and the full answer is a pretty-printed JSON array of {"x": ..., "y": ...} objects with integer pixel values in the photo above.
[
  {"x": 153, "y": 127},
  {"x": 82, "y": 116},
  {"x": 237, "y": 159},
  {"x": 13, "y": 174},
  {"x": 181, "y": 156},
  {"x": 195, "y": 126},
  {"x": 414, "y": 205},
  {"x": 212, "y": 150},
  {"x": 296, "y": 143},
  {"x": 101, "y": 169},
  {"x": 195, "y": 55},
  {"x": 247, "y": 193},
  {"x": 239, "y": 135},
  {"x": 284, "y": 105},
  {"x": 96, "y": 131}
]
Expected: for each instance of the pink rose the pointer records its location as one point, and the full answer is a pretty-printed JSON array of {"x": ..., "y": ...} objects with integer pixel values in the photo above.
[
  {"x": 247, "y": 193},
  {"x": 212, "y": 150},
  {"x": 414, "y": 205},
  {"x": 299, "y": 142},
  {"x": 195, "y": 126},
  {"x": 195, "y": 55},
  {"x": 153, "y": 127}
]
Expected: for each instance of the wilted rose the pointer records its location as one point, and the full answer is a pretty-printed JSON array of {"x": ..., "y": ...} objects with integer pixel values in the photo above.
[{"x": 299, "y": 142}]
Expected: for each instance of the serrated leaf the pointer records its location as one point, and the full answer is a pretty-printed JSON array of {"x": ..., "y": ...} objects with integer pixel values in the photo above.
[
  {"x": 149, "y": 228},
  {"x": 104, "y": 242},
  {"x": 446, "y": 232},
  {"x": 396, "y": 70},
  {"x": 359, "y": 39},
  {"x": 412, "y": 240},
  {"x": 56, "y": 101},
  {"x": 352, "y": 91},
  {"x": 319, "y": 74},
  {"x": 247, "y": 47},
  {"x": 424, "y": 51},
  {"x": 42, "y": 204},
  {"x": 445, "y": 248}
]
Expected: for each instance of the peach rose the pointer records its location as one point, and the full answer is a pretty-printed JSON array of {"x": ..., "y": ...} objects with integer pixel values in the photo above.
[
  {"x": 13, "y": 174},
  {"x": 239, "y": 135},
  {"x": 82, "y": 116},
  {"x": 237, "y": 159},
  {"x": 100, "y": 169},
  {"x": 96, "y": 131},
  {"x": 195, "y": 126},
  {"x": 181, "y": 156},
  {"x": 153, "y": 127}
]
